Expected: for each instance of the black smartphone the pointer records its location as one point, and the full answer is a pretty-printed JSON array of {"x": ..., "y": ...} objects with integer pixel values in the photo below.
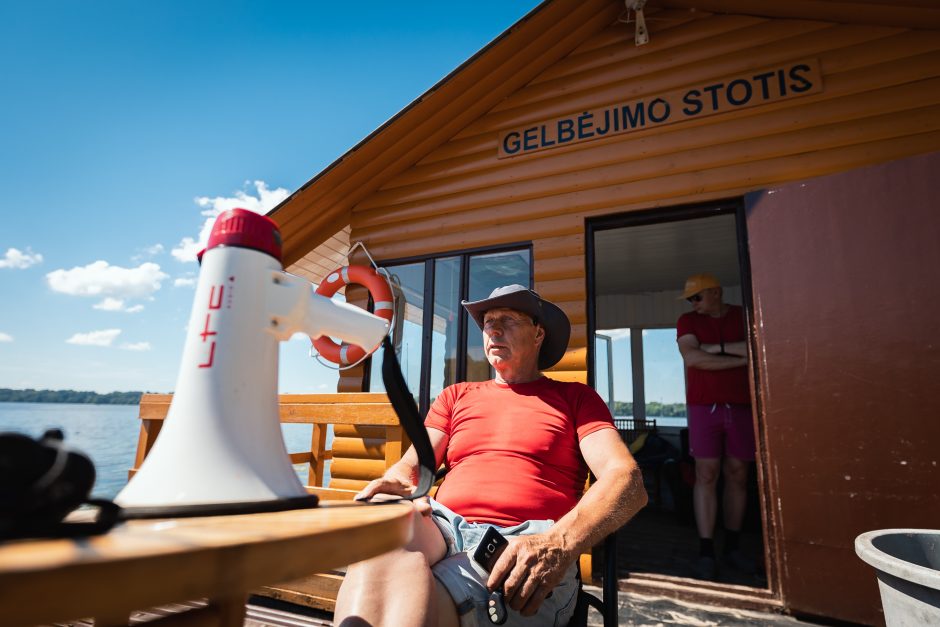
[
  {"x": 486, "y": 554},
  {"x": 490, "y": 548}
]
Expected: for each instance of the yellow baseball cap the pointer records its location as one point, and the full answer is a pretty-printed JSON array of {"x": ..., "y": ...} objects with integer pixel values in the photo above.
[{"x": 698, "y": 282}]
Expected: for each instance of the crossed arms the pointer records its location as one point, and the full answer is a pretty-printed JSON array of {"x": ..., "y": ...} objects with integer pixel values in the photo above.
[{"x": 708, "y": 357}]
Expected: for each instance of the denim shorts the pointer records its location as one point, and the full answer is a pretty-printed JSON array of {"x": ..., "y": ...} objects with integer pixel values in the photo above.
[{"x": 465, "y": 580}]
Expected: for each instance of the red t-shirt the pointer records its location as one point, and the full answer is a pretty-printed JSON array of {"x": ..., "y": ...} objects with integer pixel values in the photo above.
[
  {"x": 512, "y": 451},
  {"x": 704, "y": 387}
]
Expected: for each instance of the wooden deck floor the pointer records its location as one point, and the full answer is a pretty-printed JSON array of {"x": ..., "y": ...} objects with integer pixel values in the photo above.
[
  {"x": 634, "y": 609},
  {"x": 662, "y": 538},
  {"x": 260, "y": 613},
  {"x": 656, "y": 541}
]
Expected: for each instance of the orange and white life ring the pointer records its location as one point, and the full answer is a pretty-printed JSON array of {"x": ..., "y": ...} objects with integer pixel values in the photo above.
[{"x": 345, "y": 354}]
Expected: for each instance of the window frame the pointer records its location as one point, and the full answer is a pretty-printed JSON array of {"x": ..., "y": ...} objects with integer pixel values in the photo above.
[{"x": 427, "y": 329}]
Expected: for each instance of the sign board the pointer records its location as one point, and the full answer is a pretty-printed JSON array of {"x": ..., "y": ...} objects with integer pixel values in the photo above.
[{"x": 746, "y": 89}]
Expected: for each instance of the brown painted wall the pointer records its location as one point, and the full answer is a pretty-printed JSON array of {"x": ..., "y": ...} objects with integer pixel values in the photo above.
[{"x": 846, "y": 284}]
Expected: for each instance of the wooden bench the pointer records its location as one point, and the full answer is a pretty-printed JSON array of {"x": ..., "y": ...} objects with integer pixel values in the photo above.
[{"x": 367, "y": 439}]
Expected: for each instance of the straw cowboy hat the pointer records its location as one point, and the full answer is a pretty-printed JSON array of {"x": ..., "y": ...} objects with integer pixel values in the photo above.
[{"x": 550, "y": 316}]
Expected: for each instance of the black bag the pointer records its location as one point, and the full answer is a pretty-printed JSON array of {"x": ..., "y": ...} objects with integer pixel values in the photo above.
[
  {"x": 656, "y": 450},
  {"x": 41, "y": 482}
]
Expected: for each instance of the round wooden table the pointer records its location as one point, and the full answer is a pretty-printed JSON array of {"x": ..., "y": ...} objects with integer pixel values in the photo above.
[{"x": 146, "y": 563}]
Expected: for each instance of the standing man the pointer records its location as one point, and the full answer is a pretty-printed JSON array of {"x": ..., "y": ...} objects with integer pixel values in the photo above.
[
  {"x": 711, "y": 340},
  {"x": 517, "y": 449}
]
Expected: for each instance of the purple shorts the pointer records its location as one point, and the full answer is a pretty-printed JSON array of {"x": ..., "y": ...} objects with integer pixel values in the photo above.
[{"x": 721, "y": 430}]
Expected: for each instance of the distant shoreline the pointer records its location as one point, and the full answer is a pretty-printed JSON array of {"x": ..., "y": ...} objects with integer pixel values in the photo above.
[{"x": 8, "y": 395}]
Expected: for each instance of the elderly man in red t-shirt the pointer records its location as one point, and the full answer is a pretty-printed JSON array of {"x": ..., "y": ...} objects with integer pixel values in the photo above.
[
  {"x": 517, "y": 450},
  {"x": 711, "y": 340}
]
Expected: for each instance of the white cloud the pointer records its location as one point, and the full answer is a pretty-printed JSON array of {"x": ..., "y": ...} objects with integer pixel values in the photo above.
[
  {"x": 117, "y": 304},
  {"x": 616, "y": 334},
  {"x": 19, "y": 260},
  {"x": 137, "y": 346},
  {"x": 110, "y": 304},
  {"x": 148, "y": 252},
  {"x": 186, "y": 281},
  {"x": 102, "y": 279},
  {"x": 6, "y": 337},
  {"x": 265, "y": 200},
  {"x": 94, "y": 338}
]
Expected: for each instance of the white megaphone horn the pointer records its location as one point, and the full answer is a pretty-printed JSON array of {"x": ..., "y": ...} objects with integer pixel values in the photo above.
[{"x": 220, "y": 449}]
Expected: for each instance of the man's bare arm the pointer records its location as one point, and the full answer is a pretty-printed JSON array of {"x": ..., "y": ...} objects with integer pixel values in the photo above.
[
  {"x": 730, "y": 348},
  {"x": 613, "y": 499},
  {"x": 694, "y": 356},
  {"x": 531, "y": 566},
  {"x": 400, "y": 479}
]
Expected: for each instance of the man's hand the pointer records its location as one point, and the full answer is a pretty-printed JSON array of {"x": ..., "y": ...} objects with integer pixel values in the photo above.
[
  {"x": 529, "y": 569},
  {"x": 395, "y": 486},
  {"x": 390, "y": 488}
]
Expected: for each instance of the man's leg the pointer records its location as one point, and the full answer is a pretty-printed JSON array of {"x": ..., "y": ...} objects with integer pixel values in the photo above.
[
  {"x": 705, "y": 496},
  {"x": 737, "y": 465},
  {"x": 706, "y": 506},
  {"x": 706, "y": 441},
  {"x": 734, "y": 499},
  {"x": 734, "y": 502},
  {"x": 397, "y": 588}
]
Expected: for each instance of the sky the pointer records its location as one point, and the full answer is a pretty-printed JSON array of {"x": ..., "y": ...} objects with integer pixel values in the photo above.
[{"x": 127, "y": 126}]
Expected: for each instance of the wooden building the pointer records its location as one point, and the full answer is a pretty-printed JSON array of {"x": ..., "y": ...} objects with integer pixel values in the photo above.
[{"x": 792, "y": 148}]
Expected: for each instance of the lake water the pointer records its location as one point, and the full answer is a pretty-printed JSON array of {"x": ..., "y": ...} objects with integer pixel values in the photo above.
[{"x": 108, "y": 435}]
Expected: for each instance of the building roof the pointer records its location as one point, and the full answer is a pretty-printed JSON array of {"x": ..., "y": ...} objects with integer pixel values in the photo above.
[{"x": 315, "y": 219}]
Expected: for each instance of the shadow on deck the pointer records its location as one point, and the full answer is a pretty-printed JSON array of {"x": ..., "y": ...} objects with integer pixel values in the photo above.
[{"x": 634, "y": 609}]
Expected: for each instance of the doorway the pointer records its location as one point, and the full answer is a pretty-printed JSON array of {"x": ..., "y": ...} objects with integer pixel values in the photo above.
[{"x": 637, "y": 267}]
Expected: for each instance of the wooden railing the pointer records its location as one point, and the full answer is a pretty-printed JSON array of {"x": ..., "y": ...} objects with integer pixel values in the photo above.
[{"x": 367, "y": 437}]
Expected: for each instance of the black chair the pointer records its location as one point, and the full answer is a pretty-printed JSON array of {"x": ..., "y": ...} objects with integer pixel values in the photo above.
[{"x": 608, "y": 607}]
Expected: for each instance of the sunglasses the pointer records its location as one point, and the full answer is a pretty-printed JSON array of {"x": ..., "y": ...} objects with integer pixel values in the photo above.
[{"x": 694, "y": 298}]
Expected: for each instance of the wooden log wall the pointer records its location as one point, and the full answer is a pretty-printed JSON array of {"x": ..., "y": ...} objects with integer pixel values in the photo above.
[{"x": 880, "y": 101}]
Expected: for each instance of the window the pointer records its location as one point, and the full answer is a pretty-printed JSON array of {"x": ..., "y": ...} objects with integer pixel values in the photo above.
[
  {"x": 408, "y": 285},
  {"x": 655, "y": 390},
  {"x": 439, "y": 345},
  {"x": 663, "y": 378},
  {"x": 604, "y": 369}
]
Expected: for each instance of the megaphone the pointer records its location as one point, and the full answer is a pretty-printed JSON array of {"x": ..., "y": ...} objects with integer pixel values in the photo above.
[{"x": 220, "y": 450}]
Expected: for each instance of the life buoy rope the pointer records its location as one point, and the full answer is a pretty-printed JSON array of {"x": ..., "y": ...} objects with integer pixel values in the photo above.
[{"x": 345, "y": 354}]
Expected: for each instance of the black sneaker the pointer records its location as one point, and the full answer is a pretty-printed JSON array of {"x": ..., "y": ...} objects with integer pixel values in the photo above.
[
  {"x": 705, "y": 568},
  {"x": 741, "y": 562}
]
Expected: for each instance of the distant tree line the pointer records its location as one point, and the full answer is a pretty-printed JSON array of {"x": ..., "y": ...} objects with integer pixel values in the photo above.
[
  {"x": 653, "y": 409},
  {"x": 69, "y": 396}
]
